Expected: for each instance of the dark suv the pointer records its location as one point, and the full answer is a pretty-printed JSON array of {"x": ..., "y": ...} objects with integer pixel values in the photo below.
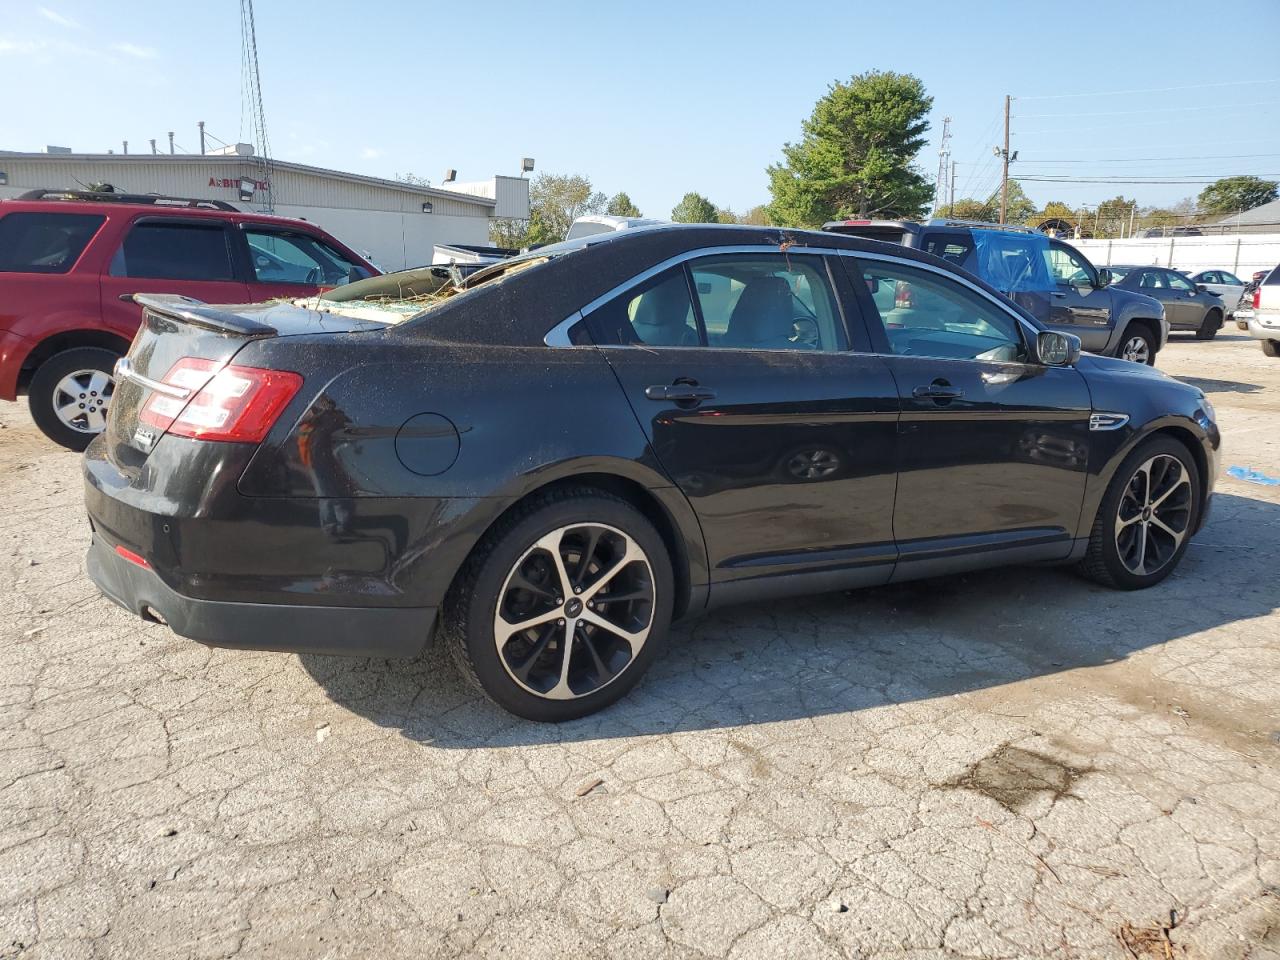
[
  {"x": 70, "y": 261},
  {"x": 1053, "y": 280}
]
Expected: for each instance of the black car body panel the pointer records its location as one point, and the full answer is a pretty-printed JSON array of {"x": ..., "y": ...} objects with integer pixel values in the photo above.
[{"x": 406, "y": 444}]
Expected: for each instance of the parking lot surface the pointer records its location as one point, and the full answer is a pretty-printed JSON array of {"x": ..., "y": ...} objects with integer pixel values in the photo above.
[{"x": 1008, "y": 764}]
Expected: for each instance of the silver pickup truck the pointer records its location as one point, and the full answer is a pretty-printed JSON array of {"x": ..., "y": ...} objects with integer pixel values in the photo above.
[{"x": 1264, "y": 325}]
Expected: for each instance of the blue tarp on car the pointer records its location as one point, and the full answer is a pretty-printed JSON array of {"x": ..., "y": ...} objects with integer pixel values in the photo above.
[{"x": 1013, "y": 262}]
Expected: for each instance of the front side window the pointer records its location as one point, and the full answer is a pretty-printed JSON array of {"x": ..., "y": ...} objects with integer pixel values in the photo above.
[
  {"x": 44, "y": 242},
  {"x": 1068, "y": 268},
  {"x": 288, "y": 257},
  {"x": 929, "y": 315},
  {"x": 1179, "y": 282},
  {"x": 767, "y": 302},
  {"x": 174, "y": 251}
]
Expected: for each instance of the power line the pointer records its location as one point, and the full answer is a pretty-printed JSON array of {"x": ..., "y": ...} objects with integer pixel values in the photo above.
[
  {"x": 1148, "y": 180},
  {"x": 1117, "y": 93},
  {"x": 1220, "y": 156}
]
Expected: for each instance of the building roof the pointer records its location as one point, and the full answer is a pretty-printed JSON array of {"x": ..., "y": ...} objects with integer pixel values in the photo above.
[
  {"x": 1268, "y": 213},
  {"x": 239, "y": 162}
]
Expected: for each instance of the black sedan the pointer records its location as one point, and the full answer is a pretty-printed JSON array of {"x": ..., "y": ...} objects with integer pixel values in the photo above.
[
  {"x": 1187, "y": 305},
  {"x": 551, "y": 460}
]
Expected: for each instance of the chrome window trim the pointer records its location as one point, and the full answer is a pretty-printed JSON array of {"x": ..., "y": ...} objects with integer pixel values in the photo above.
[{"x": 558, "y": 336}]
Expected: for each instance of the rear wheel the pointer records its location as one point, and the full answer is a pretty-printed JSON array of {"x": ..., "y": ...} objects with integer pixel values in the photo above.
[
  {"x": 1146, "y": 518},
  {"x": 562, "y": 609},
  {"x": 70, "y": 394},
  {"x": 1137, "y": 346},
  {"x": 1271, "y": 348},
  {"x": 1210, "y": 326}
]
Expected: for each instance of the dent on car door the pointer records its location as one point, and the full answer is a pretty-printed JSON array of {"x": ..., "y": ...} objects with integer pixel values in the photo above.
[
  {"x": 782, "y": 439},
  {"x": 992, "y": 447}
]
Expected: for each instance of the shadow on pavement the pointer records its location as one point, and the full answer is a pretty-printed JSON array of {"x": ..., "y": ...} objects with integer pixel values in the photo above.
[
  {"x": 839, "y": 653},
  {"x": 1222, "y": 386}
]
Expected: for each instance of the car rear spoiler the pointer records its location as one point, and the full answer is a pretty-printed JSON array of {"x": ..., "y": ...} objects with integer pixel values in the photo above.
[{"x": 197, "y": 313}]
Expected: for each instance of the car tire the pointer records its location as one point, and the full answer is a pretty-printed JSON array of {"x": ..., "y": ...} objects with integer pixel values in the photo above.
[
  {"x": 1146, "y": 518},
  {"x": 1271, "y": 348},
  {"x": 1210, "y": 326},
  {"x": 1138, "y": 346},
  {"x": 79, "y": 379},
  {"x": 513, "y": 578}
]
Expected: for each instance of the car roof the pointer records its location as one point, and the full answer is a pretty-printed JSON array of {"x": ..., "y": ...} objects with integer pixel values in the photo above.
[
  {"x": 70, "y": 204},
  {"x": 521, "y": 308}
]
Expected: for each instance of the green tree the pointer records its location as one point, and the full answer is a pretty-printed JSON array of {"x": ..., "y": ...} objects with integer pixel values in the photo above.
[
  {"x": 1018, "y": 208},
  {"x": 967, "y": 208},
  {"x": 621, "y": 206},
  {"x": 555, "y": 201},
  {"x": 856, "y": 155},
  {"x": 1235, "y": 194},
  {"x": 757, "y": 216},
  {"x": 695, "y": 208},
  {"x": 725, "y": 215}
]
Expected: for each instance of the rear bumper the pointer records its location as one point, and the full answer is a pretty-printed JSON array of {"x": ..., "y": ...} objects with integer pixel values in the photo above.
[
  {"x": 383, "y": 632},
  {"x": 1265, "y": 325}
]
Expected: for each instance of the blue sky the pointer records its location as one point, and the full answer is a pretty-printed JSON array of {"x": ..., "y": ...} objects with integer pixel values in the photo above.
[{"x": 658, "y": 98}]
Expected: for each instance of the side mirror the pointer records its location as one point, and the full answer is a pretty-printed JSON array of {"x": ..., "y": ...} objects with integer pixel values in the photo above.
[
  {"x": 1104, "y": 278},
  {"x": 1201, "y": 288},
  {"x": 1057, "y": 349}
]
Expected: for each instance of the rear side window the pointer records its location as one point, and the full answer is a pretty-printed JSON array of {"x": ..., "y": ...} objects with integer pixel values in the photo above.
[
  {"x": 658, "y": 313},
  {"x": 44, "y": 242},
  {"x": 1273, "y": 278},
  {"x": 174, "y": 251},
  {"x": 954, "y": 248}
]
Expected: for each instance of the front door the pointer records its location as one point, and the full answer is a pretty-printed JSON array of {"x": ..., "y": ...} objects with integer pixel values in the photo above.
[
  {"x": 192, "y": 258},
  {"x": 783, "y": 440},
  {"x": 1078, "y": 305},
  {"x": 992, "y": 447}
]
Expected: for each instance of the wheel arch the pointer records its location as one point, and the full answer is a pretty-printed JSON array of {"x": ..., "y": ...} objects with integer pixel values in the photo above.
[
  {"x": 67, "y": 340},
  {"x": 664, "y": 506}
]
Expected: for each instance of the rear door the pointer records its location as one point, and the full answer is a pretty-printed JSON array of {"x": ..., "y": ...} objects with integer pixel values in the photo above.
[
  {"x": 1078, "y": 306},
  {"x": 992, "y": 447},
  {"x": 285, "y": 262},
  {"x": 192, "y": 257},
  {"x": 737, "y": 366}
]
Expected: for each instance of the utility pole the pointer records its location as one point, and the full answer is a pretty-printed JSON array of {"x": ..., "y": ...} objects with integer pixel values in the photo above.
[
  {"x": 1004, "y": 154},
  {"x": 200, "y": 124},
  {"x": 940, "y": 183}
]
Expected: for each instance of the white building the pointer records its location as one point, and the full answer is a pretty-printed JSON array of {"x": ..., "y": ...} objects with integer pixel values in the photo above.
[{"x": 396, "y": 224}]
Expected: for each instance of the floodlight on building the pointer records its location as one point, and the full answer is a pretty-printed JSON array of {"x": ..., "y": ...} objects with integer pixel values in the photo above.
[
  {"x": 426, "y": 206},
  {"x": 526, "y": 165}
]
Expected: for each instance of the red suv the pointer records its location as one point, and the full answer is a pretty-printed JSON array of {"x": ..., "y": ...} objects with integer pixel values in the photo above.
[{"x": 69, "y": 262}]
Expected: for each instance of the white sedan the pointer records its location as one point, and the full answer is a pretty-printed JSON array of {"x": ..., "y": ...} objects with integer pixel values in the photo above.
[{"x": 1226, "y": 285}]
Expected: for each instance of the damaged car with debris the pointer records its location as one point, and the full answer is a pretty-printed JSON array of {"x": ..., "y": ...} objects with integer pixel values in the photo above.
[{"x": 549, "y": 461}]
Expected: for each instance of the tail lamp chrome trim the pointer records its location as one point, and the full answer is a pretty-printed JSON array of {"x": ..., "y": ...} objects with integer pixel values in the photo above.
[{"x": 124, "y": 371}]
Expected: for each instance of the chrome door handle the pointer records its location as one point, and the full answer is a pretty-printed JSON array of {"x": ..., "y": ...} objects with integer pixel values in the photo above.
[{"x": 680, "y": 393}]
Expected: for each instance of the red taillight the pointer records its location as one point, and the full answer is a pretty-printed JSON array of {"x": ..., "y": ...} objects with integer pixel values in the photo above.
[
  {"x": 230, "y": 403},
  {"x": 133, "y": 557},
  {"x": 1257, "y": 298}
]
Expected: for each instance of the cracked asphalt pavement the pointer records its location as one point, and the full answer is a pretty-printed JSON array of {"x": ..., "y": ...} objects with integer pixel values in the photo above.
[{"x": 1007, "y": 764}]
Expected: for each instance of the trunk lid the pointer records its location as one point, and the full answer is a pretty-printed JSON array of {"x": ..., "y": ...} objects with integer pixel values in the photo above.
[{"x": 175, "y": 327}]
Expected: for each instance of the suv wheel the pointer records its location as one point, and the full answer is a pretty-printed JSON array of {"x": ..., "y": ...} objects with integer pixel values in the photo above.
[
  {"x": 1210, "y": 326},
  {"x": 70, "y": 394},
  {"x": 562, "y": 609},
  {"x": 1137, "y": 346},
  {"x": 1271, "y": 348},
  {"x": 1146, "y": 518}
]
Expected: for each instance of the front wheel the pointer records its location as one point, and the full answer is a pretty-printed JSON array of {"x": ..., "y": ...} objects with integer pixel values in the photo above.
[
  {"x": 563, "y": 607},
  {"x": 1210, "y": 326},
  {"x": 1146, "y": 518},
  {"x": 1138, "y": 347},
  {"x": 70, "y": 393}
]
